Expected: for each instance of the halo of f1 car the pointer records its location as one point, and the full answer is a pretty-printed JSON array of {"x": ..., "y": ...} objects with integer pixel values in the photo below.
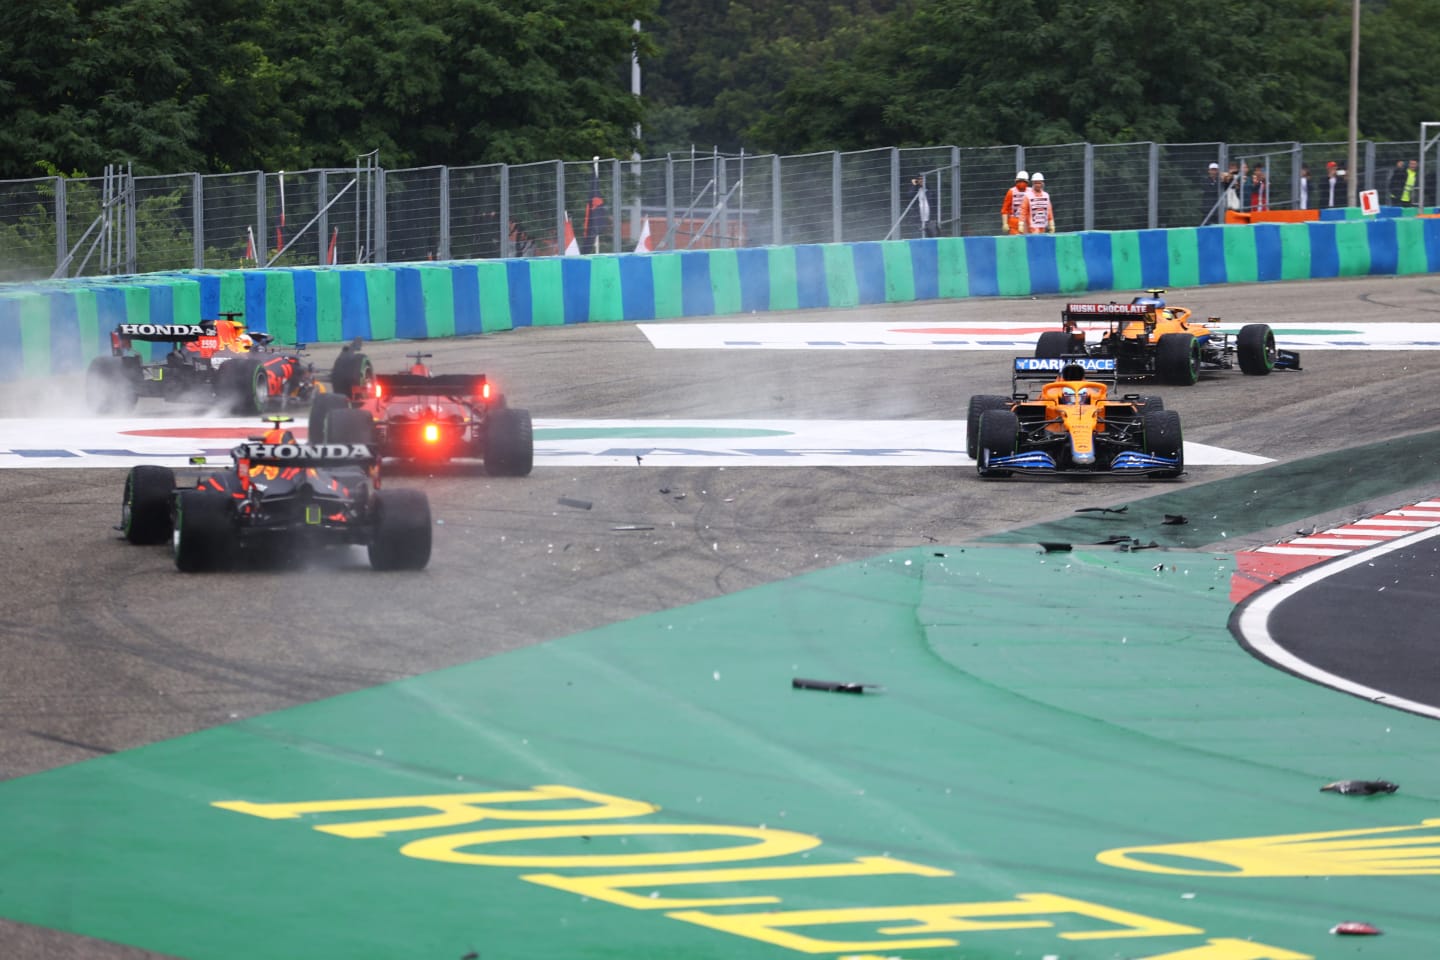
[
  {"x": 1148, "y": 338},
  {"x": 1074, "y": 426},
  {"x": 277, "y": 500},
  {"x": 213, "y": 361},
  {"x": 424, "y": 416}
]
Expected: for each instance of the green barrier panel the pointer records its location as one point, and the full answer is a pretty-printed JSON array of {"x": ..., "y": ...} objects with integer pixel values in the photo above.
[
  {"x": 725, "y": 281},
  {"x": 1242, "y": 264},
  {"x": 1410, "y": 241},
  {"x": 607, "y": 301},
  {"x": 669, "y": 287},
  {"x": 547, "y": 292},
  {"x": 1012, "y": 266},
  {"x": 840, "y": 285},
  {"x": 1294, "y": 251},
  {"x": 954, "y": 268},
  {"x": 87, "y": 314},
  {"x": 784, "y": 285},
  {"x": 328, "y": 328},
  {"x": 899, "y": 271},
  {"x": 1352, "y": 240},
  {"x": 185, "y": 300},
  {"x": 1183, "y": 247},
  {"x": 1070, "y": 263},
  {"x": 438, "y": 290},
  {"x": 1125, "y": 256},
  {"x": 380, "y": 291},
  {"x": 35, "y": 336},
  {"x": 494, "y": 279},
  {"x": 232, "y": 292},
  {"x": 280, "y": 305}
]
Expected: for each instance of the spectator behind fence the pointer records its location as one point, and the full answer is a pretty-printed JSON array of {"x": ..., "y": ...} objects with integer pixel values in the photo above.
[
  {"x": 1259, "y": 189},
  {"x": 1334, "y": 187},
  {"x": 1211, "y": 189},
  {"x": 1394, "y": 184},
  {"x": 1010, "y": 206},
  {"x": 1304, "y": 187},
  {"x": 1037, "y": 213},
  {"x": 1230, "y": 184},
  {"x": 1411, "y": 191}
]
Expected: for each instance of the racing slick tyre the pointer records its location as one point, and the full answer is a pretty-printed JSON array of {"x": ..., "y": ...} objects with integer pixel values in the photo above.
[
  {"x": 1255, "y": 349},
  {"x": 402, "y": 531},
  {"x": 978, "y": 405},
  {"x": 204, "y": 537},
  {"x": 999, "y": 433},
  {"x": 1052, "y": 343},
  {"x": 1177, "y": 359},
  {"x": 349, "y": 426},
  {"x": 324, "y": 404},
  {"x": 352, "y": 370},
  {"x": 509, "y": 447},
  {"x": 1164, "y": 439},
  {"x": 1151, "y": 404},
  {"x": 108, "y": 386},
  {"x": 242, "y": 387},
  {"x": 145, "y": 512}
]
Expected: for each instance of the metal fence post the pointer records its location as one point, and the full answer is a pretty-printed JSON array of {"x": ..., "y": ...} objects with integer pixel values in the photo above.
[
  {"x": 197, "y": 219},
  {"x": 1087, "y": 221},
  {"x": 615, "y": 198},
  {"x": 777, "y": 202},
  {"x": 1295, "y": 166},
  {"x": 1153, "y": 193},
  {"x": 444, "y": 252},
  {"x": 381, "y": 253},
  {"x": 132, "y": 247},
  {"x": 560, "y": 207},
  {"x": 895, "y": 186},
  {"x": 836, "y": 195},
  {"x": 507, "y": 250},
  {"x": 669, "y": 200},
  {"x": 62, "y": 239},
  {"x": 322, "y": 226},
  {"x": 1369, "y": 164},
  {"x": 261, "y": 243},
  {"x": 955, "y": 192},
  {"x": 1019, "y": 158}
]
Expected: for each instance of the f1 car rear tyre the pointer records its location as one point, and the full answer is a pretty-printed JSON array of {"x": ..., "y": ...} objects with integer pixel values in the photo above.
[
  {"x": 509, "y": 443},
  {"x": 1163, "y": 438},
  {"x": 402, "y": 531},
  {"x": 1052, "y": 343},
  {"x": 978, "y": 405},
  {"x": 349, "y": 426},
  {"x": 204, "y": 537},
  {"x": 351, "y": 371},
  {"x": 108, "y": 386},
  {"x": 319, "y": 410},
  {"x": 145, "y": 511},
  {"x": 1177, "y": 359},
  {"x": 999, "y": 435},
  {"x": 242, "y": 387},
  {"x": 1255, "y": 349}
]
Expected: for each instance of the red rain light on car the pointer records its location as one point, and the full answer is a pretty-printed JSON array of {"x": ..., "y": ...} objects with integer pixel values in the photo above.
[
  {"x": 377, "y": 390},
  {"x": 432, "y": 433},
  {"x": 485, "y": 391}
]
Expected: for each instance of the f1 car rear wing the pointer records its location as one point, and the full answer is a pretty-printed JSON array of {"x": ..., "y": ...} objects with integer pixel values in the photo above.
[
  {"x": 1102, "y": 369},
  {"x": 166, "y": 332},
  {"x": 307, "y": 454},
  {"x": 417, "y": 385},
  {"x": 1075, "y": 313}
]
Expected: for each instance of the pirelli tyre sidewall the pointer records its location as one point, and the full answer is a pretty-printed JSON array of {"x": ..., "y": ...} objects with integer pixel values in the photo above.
[
  {"x": 110, "y": 386},
  {"x": 1255, "y": 349},
  {"x": 204, "y": 537},
  {"x": 351, "y": 371},
  {"x": 999, "y": 435},
  {"x": 145, "y": 510},
  {"x": 509, "y": 446},
  {"x": 402, "y": 531},
  {"x": 1177, "y": 359},
  {"x": 978, "y": 405},
  {"x": 1052, "y": 343},
  {"x": 242, "y": 387},
  {"x": 324, "y": 404}
]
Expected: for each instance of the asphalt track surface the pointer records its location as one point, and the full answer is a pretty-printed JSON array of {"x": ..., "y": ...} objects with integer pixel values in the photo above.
[{"x": 105, "y": 647}]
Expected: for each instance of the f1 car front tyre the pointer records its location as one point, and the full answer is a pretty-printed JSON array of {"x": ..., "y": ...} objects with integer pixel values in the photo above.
[
  {"x": 145, "y": 511},
  {"x": 351, "y": 371},
  {"x": 1255, "y": 349},
  {"x": 978, "y": 405},
  {"x": 1052, "y": 343},
  {"x": 1163, "y": 438},
  {"x": 108, "y": 386},
  {"x": 319, "y": 410},
  {"x": 999, "y": 435},
  {"x": 204, "y": 537},
  {"x": 402, "y": 531},
  {"x": 509, "y": 443},
  {"x": 1177, "y": 359},
  {"x": 349, "y": 426}
]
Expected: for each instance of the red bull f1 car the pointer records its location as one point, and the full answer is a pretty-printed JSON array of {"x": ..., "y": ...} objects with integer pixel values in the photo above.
[
  {"x": 278, "y": 500},
  {"x": 1074, "y": 427},
  {"x": 424, "y": 416},
  {"x": 1148, "y": 338},
  {"x": 213, "y": 361}
]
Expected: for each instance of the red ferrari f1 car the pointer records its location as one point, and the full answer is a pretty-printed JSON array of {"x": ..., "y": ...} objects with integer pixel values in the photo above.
[{"x": 421, "y": 415}]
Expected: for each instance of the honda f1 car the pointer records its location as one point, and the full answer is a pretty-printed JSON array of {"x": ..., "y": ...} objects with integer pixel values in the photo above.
[
  {"x": 1074, "y": 427},
  {"x": 213, "y": 361},
  {"x": 1148, "y": 338},
  {"x": 278, "y": 500},
  {"x": 420, "y": 415}
]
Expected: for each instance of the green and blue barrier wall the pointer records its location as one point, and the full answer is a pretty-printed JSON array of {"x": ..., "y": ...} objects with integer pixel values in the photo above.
[{"x": 57, "y": 328}]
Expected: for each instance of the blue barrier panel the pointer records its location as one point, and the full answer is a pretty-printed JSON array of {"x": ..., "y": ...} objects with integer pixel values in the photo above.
[
  {"x": 306, "y": 325},
  {"x": 209, "y": 294},
  {"x": 12, "y": 352},
  {"x": 1044, "y": 271},
  {"x": 1154, "y": 259},
  {"x": 255, "y": 300},
  {"x": 982, "y": 266},
  {"x": 66, "y": 352},
  {"x": 1384, "y": 250},
  {"x": 1099, "y": 271},
  {"x": 810, "y": 289},
  {"x": 754, "y": 279},
  {"x": 410, "y": 321},
  {"x": 869, "y": 266},
  {"x": 1269, "y": 263},
  {"x": 575, "y": 288},
  {"x": 925, "y": 264},
  {"x": 354, "y": 305},
  {"x": 1210, "y": 244},
  {"x": 1431, "y": 228},
  {"x": 465, "y": 290},
  {"x": 162, "y": 302},
  {"x": 697, "y": 296},
  {"x": 637, "y": 287},
  {"x": 1324, "y": 252},
  {"x": 522, "y": 300}
]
